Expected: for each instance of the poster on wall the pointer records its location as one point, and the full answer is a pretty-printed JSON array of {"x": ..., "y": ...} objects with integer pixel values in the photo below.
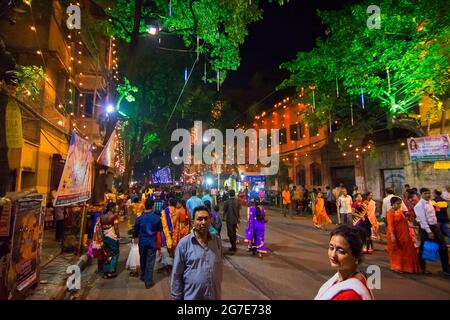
[
  {"x": 24, "y": 258},
  {"x": 430, "y": 148},
  {"x": 76, "y": 179},
  {"x": 5, "y": 219}
]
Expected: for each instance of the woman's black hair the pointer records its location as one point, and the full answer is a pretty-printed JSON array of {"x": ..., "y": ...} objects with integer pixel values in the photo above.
[
  {"x": 259, "y": 215},
  {"x": 354, "y": 237},
  {"x": 207, "y": 204},
  {"x": 216, "y": 208},
  {"x": 109, "y": 207}
]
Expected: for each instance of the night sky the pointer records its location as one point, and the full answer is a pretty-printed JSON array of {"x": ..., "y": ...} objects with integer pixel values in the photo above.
[{"x": 283, "y": 31}]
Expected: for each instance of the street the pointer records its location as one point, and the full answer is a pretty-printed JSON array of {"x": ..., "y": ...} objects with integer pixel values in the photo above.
[{"x": 295, "y": 268}]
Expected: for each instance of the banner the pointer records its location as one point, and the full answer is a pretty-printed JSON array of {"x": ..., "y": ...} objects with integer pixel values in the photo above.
[
  {"x": 162, "y": 176},
  {"x": 107, "y": 157},
  {"x": 442, "y": 165},
  {"x": 430, "y": 148},
  {"x": 76, "y": 179},
  {"x": 13, "y": 125},
  {"x": 25, "y": 244}
]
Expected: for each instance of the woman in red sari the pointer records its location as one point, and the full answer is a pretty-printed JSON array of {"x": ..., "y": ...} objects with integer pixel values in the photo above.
[
  {"x": 344, "y": 253},
  {"x": 402, "y": 252}
]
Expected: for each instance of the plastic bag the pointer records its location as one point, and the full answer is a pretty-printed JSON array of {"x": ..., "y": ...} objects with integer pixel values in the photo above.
[
  {"x": 430, "y": 251},
  {"x": 133, "y": 261}
]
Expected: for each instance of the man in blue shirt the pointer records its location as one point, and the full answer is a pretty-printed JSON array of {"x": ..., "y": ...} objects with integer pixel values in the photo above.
[
  {"x": 198, "y": 263},
  {"x": 193, "y": 202},
  {"x": 145, "y": 228}
]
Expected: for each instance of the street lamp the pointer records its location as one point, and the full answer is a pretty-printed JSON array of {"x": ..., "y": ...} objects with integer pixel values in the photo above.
[{"x": 153, "y": 30}]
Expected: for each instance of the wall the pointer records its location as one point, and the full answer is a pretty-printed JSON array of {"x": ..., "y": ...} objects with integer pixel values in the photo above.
[{"x": 393, "y": 156}]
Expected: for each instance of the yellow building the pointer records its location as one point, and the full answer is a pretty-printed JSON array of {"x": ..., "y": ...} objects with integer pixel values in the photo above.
[{"x": 77, "y": 66}]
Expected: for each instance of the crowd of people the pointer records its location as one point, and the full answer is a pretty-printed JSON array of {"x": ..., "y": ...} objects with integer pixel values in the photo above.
[{"x": 186, "y": 235}]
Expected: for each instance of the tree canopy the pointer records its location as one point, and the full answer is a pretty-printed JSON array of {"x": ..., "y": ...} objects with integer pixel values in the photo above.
[{"x": 377, "y": 71}]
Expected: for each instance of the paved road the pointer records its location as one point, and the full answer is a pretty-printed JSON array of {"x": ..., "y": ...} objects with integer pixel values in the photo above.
[{"x": 295, "y": 268}]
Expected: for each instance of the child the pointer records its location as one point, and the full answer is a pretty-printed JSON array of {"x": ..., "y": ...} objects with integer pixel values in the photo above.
[{"x": 133, "y": 261}]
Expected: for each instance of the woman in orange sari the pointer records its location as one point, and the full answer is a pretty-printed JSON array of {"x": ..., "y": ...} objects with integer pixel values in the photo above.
[
  {"x": 182, "y": 224},
  {"x": 320, "y": 218},
  {"x": 402, "y": 253}
]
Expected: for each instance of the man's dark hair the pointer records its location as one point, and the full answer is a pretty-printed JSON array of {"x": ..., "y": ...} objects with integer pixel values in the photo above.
[
  {"x": 438, "y": 192},
  {"x": 216, "y": 208},
  {"x": 201, "y": 208},
  {"x": 172, "y": 202},
  {"x": 411, "y": 193},
  {"x": 395, "y": 200},
  {"x": 407, "y": 186},
  {"x": 422, "y": 190},
  {"x": 149, "y": 203},
  {"x": 135, "y": 200},
  {"x": 354, "y": 238},
  {"x": 390, "y": 191},
  {"x": 193, "y": 192},
  {"x": 232, "y": 193},
  {"x": 327, "y": 187}
]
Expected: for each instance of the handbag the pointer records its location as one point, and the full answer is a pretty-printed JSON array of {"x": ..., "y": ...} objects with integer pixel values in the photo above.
[{"x": 430, "y": 251}]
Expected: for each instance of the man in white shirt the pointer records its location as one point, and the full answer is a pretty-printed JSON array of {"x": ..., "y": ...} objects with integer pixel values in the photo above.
[
  {"x": 344, "y": 204},
  {"x": 446, "y": 193},
  {"x": 387, "y": 203},
  {"x": 430, "y": 231}
]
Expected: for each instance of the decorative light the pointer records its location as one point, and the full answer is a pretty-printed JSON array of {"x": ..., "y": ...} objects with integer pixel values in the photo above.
[
  {"x": 33, "y": 28},
  {"x": 74, "y": 125},
  {"x": 69, "y": 47},
  {"x": 39, "y": 52},
  {"x": 357, "y": 149},
  {"x": 350, "y": 146},
  {"x": 402, "y": 144},
  {"x": 60, "y": 123},
  {"x": 83, "y": 116},
  {"x": 79, "y": 52},
  {"x": 86, "y": 137},
  {"x": 357, "y": 156},
  {"x": 60, "y": 106},
  {"x": 344, "y": 154},
  {"x": 80, "y": 43}
]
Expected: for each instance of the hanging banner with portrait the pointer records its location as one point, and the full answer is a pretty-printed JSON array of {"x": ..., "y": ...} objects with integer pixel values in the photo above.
[
  {"x": 430, "y": 148},
  {"x": 76, "y": 180}
]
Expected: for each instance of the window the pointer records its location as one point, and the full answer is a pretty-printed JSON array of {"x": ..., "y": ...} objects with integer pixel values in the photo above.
[
  {"x": 316, "y": 174},
  {"x": 313, "y": 131},
  {"x": 294, "y": 131},
  {"x": 283, "y": 138},
  {"x": 301, "y": 175}
]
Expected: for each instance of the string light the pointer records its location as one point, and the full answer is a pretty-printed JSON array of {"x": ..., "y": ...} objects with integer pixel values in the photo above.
[{"x": 33, "y": 28}]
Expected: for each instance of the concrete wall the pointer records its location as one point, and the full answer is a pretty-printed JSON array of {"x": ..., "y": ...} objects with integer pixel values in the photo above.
[{"x": 394, "y": 156}]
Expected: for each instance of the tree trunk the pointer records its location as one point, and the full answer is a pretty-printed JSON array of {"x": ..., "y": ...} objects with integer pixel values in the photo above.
[
  {"x": 4, "y": 165},
  {"x": 445, "y": 107},
  {"x": 135, "y": 154}
]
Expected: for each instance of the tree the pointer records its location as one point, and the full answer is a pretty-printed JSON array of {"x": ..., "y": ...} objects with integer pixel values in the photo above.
[
  {"x": 390, "y": 68},
  {"x": 220, "y": 27}
]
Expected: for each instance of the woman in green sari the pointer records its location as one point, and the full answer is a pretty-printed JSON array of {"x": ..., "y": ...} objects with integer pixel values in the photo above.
[{"x": 109, "y": 224}]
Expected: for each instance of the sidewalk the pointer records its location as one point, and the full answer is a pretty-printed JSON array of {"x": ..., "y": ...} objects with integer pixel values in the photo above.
[{"x": 53, "y": 266}]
